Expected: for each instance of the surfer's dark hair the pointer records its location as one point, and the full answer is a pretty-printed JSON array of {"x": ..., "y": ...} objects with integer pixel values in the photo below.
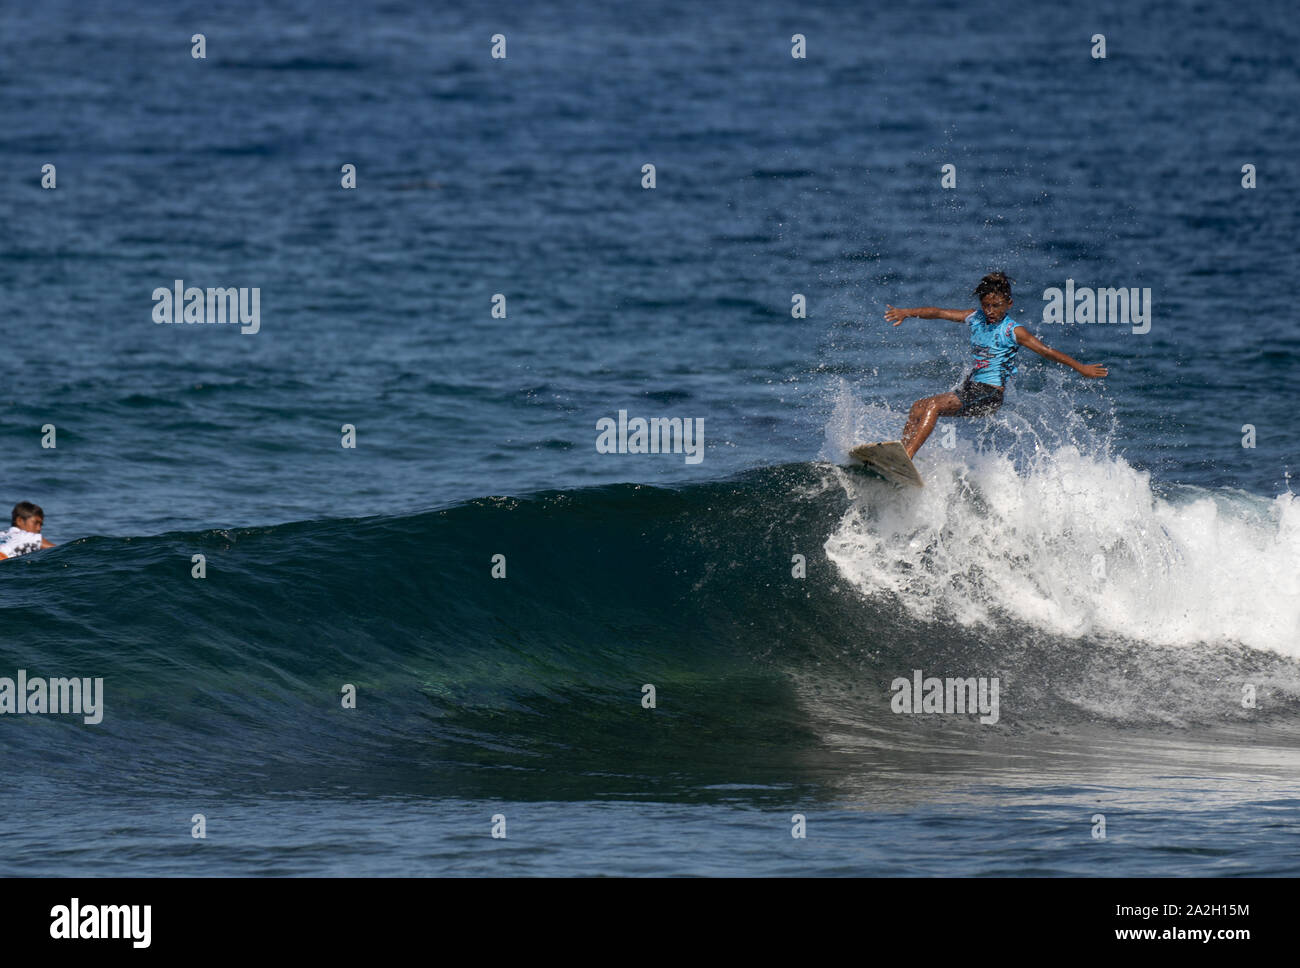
[
  {"x": 24, "y": 510},
  {"x": 994, "y": 284}
]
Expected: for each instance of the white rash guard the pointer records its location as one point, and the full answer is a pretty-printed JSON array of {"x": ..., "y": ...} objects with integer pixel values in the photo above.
[{"x": 16, "y": 542}]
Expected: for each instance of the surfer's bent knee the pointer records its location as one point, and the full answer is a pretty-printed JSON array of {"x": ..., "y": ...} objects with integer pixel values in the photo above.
[{"x": 927, "y": 403}]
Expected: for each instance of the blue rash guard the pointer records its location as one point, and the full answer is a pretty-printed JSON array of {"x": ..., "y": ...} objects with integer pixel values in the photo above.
[{"x": 994, "y": 347}]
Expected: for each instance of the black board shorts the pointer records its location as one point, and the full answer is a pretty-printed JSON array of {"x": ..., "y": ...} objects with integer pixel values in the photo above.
[{"x": 977, "y": 399}]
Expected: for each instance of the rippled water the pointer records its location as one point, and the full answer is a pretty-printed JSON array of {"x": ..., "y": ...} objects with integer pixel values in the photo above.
[{"x": 1108, "y": 550}]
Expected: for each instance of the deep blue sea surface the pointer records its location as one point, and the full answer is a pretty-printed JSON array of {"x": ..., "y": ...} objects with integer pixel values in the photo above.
[{"x": 1108, "y": 550}]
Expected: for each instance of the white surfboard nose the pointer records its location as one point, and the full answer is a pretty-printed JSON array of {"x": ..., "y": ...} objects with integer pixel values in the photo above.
[{"x": 889, "y": 459}]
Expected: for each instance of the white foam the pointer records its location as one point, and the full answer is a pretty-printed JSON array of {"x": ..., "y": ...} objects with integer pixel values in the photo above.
[{"x": 1071, "y": 542}]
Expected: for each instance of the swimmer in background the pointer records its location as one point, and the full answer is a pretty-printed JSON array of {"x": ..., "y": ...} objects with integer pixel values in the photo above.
[{"x": 25, "y": 535}]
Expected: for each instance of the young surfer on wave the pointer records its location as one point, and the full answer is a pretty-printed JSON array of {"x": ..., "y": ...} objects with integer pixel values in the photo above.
[{"x": 994, "y": 344}]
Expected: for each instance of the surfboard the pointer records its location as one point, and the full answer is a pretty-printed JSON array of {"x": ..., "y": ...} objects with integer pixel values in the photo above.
[{"x": 890, "y": 461}]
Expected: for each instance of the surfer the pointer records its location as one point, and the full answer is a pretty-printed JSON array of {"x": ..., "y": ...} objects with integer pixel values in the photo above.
[
  {"x": 994, "y": 340},
  {"x": 24, "y": 536}
]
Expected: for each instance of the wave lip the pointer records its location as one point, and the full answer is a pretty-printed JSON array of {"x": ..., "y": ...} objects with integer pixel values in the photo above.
[
  {"x": 1077, "y": 545},
  {"x": 1051, "y": 529}
]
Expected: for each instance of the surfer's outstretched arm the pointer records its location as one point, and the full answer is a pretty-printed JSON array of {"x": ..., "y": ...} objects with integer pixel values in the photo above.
[
  {"x": 1025, "y": 338},
  {"x": 896, "y": 316}
]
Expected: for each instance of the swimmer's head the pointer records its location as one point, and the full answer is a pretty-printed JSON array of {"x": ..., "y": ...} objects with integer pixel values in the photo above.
[{"x": 28, "y": 516}]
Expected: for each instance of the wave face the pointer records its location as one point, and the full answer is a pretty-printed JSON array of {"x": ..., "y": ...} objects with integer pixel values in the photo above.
[{"x": 530, "y": 686}]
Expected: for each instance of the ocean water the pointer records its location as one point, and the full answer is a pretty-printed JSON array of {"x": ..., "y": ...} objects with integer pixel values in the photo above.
[{"x": 1108, "y": 551}]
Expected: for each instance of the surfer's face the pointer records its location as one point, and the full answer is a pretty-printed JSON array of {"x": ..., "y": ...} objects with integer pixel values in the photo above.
[
  {"x": 994, "y": 306},
  {"x": 32, "y": 525}
]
